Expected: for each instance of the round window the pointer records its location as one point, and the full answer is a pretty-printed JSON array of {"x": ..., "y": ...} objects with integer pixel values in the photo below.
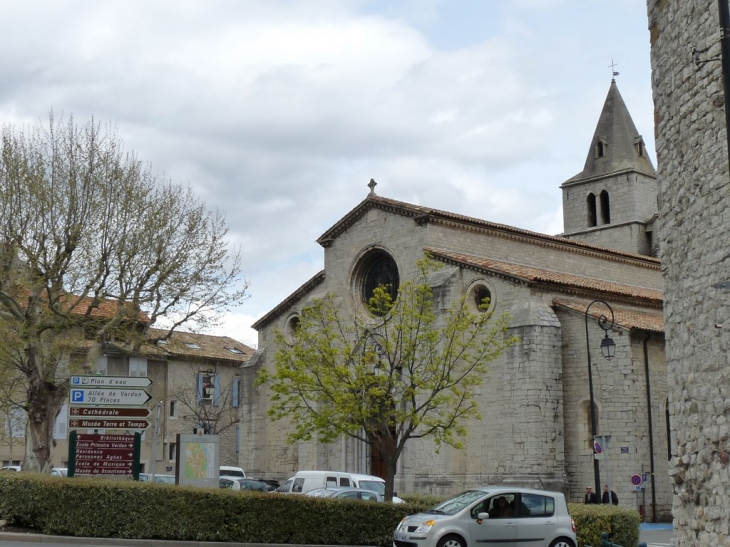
[
  {"x": 377, "y": 269},
  {"x": 481, "y": 297}
]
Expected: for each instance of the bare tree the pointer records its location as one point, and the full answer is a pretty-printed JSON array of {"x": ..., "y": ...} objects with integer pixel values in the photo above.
[
  {"x": 208, "y": 398},
  {"x": 95, "y": 249}
]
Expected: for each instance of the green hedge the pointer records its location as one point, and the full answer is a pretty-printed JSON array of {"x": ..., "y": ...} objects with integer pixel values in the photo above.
[
  {"x": 125, "y": 509},
  {"x": 133, "y": 510},
  {"x": 621, "y": 524}
]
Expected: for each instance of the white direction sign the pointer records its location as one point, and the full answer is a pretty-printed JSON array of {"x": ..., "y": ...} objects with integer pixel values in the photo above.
[
  {"x": 109, "y": 381},
  {"x": 80, "y": 396}
]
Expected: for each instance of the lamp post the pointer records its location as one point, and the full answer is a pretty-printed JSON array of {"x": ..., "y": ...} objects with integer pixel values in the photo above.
[{"x": 608, "y": 349}]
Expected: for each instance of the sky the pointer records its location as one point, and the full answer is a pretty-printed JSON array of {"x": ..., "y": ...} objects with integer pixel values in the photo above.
[{"x": 279, "y": 112}]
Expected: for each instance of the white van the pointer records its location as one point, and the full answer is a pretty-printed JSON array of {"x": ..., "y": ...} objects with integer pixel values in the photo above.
[
  {"x": 231, "y": 471},
  {"x": 304, "y": 481}
]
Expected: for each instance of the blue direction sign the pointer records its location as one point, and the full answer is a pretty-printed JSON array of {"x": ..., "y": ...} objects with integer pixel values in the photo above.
[
  {"x": 110, "y": 381},
  {"x": 81, "y": 396}
]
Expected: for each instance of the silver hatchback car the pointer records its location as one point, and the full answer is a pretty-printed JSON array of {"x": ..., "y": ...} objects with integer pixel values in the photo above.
[{"x": 497, "y": 516}]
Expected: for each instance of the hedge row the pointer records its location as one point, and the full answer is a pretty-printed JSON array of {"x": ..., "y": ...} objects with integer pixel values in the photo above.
[
  {"x": 621, "y": 524},
  {"x": 126, "y": 509}
]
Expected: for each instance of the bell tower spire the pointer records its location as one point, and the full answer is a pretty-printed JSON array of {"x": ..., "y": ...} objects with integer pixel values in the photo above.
[{"x": 613, "y": 201}]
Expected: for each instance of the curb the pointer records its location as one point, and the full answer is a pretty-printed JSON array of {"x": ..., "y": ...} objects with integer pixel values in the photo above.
[{"x": 73, "y": 540}]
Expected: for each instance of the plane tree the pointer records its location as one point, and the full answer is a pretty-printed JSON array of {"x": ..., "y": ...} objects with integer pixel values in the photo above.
[
  {"x": 94, "y": 250},
  {"x": 404, "y": 372}
]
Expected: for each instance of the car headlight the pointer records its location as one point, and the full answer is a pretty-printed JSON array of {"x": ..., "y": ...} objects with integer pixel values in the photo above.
[{"x": 425, "y": 526}]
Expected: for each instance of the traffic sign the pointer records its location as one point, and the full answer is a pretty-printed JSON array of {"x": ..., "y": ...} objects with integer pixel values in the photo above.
[
  {"x": 636, "y": 480},
  {"x": 103, "y": 423},
  {"x": 111, "y": 455},
  {"x": 110, "y": 381},
  {"x": 83, "y": 396},
  {"x": 107, "y": 412}
]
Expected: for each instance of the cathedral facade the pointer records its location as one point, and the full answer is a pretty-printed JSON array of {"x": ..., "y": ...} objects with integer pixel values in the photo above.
[{"x": 535, "y": 402}]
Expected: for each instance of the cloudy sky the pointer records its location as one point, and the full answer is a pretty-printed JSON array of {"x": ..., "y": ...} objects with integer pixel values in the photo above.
[{"x": 280, "y": 111}]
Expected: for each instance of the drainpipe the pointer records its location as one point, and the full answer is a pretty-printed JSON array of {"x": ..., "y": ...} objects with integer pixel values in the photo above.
[{"x": 651, "y": 428}]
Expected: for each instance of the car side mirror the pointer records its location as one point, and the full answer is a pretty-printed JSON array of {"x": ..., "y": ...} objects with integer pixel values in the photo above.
[{"x": 482, "y": 516}]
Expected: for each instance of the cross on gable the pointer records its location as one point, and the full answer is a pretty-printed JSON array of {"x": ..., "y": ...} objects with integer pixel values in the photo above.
[{"x": 372, "y": 184}]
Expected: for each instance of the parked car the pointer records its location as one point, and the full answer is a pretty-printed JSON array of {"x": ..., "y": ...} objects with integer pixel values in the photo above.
[
  {"x": 159, "y": 479},
  {"x": 286, "y": 487},
  {"x": 59, "y": 472},
  {"x": 238, "y": 483},
  {"x": 492, "y": 515},
  {"x": 230, "y": 471},
  {"x": 304, "y": 481},
  {"x": 345, "y": 493},
  {"x": 272, "y": 484}
]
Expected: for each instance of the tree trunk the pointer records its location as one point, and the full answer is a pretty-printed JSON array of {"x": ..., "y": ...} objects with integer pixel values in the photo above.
[{"x": 43, "y": 403}]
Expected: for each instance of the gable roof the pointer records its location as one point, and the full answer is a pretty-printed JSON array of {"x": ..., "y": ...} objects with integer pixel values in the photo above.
[
  {"x": 532, "y": 275},
  {"x": 290, "y": 300},
  {"x": 424, "y": 215},
  {"x": 620, "y": 142},
  {"x": 188, "y": 345},
  {"x": 628, "y": 319}
]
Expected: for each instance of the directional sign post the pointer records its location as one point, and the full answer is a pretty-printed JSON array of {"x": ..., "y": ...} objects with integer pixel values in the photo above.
[
  {"x": 107, "y": 412},
  {"x": 92, "y": 396},
  {"x": 111, "y": 455},
  {"x": 110, "y": 381},
  {"x": 103, "y": 423}
]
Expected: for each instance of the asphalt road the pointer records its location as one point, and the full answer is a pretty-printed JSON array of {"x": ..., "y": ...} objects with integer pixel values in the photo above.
[{"x": 656, "y": 535}]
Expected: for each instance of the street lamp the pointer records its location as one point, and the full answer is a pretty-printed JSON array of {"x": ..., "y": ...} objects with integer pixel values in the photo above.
[{"x": 608, "y": 350}]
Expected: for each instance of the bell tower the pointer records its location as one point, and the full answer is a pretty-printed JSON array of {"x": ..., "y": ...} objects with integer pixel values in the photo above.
[{"x": 613, "y": 201}]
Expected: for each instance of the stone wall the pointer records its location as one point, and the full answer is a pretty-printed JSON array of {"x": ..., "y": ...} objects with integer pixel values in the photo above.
[{"x": 693, "y": 201}]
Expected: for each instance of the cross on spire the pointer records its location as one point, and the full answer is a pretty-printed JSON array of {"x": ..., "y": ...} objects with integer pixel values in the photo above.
[
  {"x": 372, "y": 184},
  {"x": 613, "y": 66}
]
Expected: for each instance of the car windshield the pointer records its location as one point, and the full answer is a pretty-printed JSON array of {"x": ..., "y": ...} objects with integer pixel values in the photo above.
[
  {"x": 453, "y": 505},
  {"x": 373, "y": 486}
]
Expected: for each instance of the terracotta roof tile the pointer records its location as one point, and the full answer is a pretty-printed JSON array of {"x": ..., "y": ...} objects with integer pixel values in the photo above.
[
  {"x": 190, "y": 345},
  {"x": 652, "y": 321},
  {"x": 531, "y": 274}
]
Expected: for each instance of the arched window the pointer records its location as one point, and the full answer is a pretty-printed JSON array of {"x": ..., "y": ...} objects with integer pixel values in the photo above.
[
  {"x": 591, "y": 210},
  {"x": 605, "y": 208}
]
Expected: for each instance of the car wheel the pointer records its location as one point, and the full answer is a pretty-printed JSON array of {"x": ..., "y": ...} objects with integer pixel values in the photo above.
[
  {"x": 562, "y": 542},
  {"x": 451, "y": 541}
]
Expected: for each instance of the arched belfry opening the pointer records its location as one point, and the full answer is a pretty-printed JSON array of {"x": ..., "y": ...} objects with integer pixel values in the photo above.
[
  {"x": 605, "y": 208},
  {"x": 591, "y": 202}
]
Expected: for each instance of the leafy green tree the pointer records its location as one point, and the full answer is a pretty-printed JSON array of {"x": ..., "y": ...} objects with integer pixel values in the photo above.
[
  {"x": 405, "y": 372},
  {"x": 94, "y": 250}
]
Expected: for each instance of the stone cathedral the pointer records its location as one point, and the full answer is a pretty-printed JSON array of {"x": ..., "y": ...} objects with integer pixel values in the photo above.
[{"x": 535, "y": 428}]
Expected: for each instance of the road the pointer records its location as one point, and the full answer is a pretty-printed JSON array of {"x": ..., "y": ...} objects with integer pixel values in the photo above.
[{"x": 656, "y": 535}]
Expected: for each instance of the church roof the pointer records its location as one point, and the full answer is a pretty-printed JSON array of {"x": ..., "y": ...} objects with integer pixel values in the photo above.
[
  {"x": 616, "y": 145},
  {"x": 628, "y": 319},
  {"x": 424, "y": 215},
  {"x": 289, "y": 300},
  {"x": 531, "y": 274}
]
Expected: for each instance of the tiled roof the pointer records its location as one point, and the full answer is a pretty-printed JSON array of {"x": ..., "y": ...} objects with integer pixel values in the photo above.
[
  {"x": 628, "y": 319},
  {"x": 426, "y": 214},
  {"x": 188, "y": 345},
  {"x": 106, "y": 309},
  {"x": 289, "y": 300},
  {"x": 530, "y": 274}
]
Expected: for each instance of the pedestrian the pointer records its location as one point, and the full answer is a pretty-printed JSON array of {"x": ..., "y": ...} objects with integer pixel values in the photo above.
[
  {"x": 591, "y": 496},
  {"x": 604, "y": 497}
]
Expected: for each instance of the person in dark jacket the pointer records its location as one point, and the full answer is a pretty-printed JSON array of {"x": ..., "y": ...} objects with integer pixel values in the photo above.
[
  {"x": 604, "y": 497},
  {"x": 591, "y": 496}
]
